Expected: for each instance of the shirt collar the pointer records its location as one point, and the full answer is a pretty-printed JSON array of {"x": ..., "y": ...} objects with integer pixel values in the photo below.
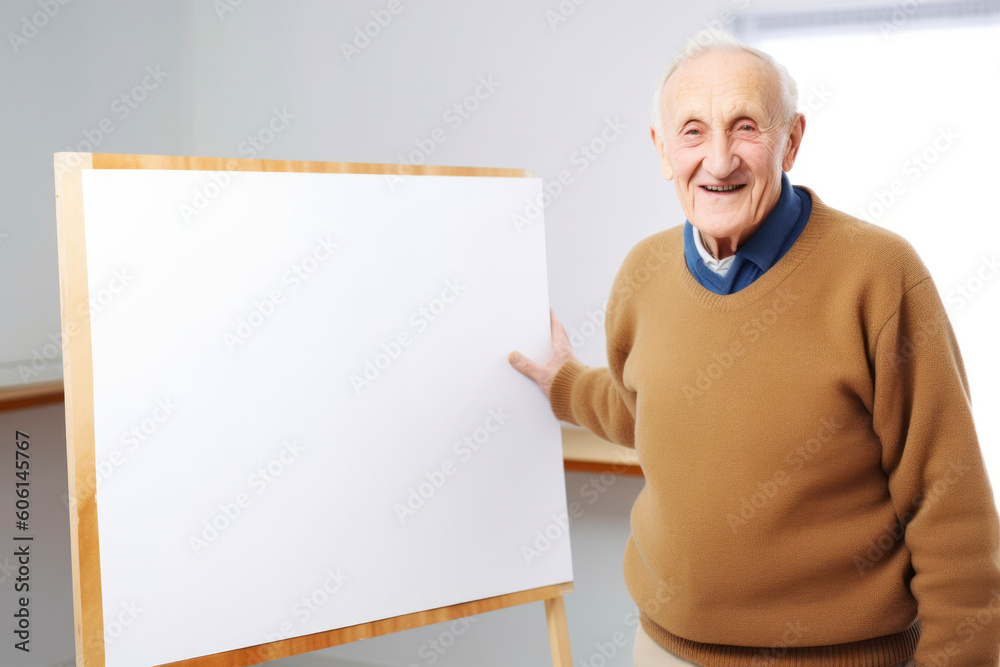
[{"x": 720, "y": 266}]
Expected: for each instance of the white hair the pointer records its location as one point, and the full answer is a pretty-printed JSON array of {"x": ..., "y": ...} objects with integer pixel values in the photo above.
[{"x": 717, "y": 41}]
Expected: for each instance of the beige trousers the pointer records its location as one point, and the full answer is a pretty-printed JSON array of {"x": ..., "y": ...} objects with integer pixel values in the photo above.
[{"x": 647, "y": 653}]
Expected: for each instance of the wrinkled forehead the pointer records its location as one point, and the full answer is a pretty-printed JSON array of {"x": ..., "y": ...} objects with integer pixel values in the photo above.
[{"x": 721, "y": 87}]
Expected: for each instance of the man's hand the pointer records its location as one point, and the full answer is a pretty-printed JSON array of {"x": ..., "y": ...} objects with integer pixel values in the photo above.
[{"x": 562, "y": 352}]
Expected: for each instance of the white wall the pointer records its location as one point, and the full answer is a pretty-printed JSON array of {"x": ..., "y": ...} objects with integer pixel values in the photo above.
[{"x": 62, "y": 90}]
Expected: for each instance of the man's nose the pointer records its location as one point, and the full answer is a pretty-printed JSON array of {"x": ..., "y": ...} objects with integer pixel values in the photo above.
[{"x": 720, "y": 161}]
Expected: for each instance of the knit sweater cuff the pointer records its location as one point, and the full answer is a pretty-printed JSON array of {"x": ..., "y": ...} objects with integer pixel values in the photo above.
[{"x": 561, "y": 393}]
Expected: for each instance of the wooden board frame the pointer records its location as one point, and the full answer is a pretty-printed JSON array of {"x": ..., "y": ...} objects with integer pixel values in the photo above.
[{"x": 78, "y": 382}]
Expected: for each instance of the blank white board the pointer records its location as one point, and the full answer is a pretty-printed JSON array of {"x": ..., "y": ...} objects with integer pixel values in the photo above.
[{"x": 304, "y": 415}]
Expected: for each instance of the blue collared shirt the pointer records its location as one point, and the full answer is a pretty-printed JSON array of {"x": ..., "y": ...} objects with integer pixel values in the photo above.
[{"x": 762, "y": 250}]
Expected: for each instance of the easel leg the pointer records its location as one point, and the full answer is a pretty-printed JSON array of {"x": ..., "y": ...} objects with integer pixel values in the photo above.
[{"x": 555, "y": 615}]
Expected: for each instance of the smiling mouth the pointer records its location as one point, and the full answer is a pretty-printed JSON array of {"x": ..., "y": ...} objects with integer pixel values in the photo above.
[{"x": 721, "y": 188}]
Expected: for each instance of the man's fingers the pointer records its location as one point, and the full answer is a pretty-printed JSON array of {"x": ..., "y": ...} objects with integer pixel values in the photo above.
[
  {"x": 556, "y": 325},
  {"x": 561, "y": 351},
  {"x": 525, "y": 365},
  {"x": 559, "y": 333},
  {"x": 560, "y": 339}
]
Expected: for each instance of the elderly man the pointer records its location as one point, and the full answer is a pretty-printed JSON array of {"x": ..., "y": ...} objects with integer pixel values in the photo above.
[{"x": 815, "y": 492}]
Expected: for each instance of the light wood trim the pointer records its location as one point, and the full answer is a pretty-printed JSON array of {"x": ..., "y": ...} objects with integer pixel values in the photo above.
[
  {"x": 78, "y": 380},
  {"x": 127, "y": 161},
  {"x": 295, "y": 645},
  {"x": 15, "y": 398},
  {"x": 571, "y": 465},
  {"x": 555, "y": 617},
  {"x": 584, "y": 451}
]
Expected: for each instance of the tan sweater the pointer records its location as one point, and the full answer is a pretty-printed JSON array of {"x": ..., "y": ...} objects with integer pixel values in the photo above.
[{"x": 788, "y": 433}]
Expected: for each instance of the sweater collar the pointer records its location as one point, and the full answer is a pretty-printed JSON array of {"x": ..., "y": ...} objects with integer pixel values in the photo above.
[{"x": 815, "y": 228}]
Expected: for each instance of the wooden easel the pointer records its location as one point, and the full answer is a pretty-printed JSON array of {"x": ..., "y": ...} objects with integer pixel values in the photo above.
[
  {"x": 79, "y": 399},
  {"x": 555, "y": 613}
]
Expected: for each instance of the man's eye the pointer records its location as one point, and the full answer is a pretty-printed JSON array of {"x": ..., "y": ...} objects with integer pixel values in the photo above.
[
  {"x": 692, "y": 130},
  {"x": 746, "y": 126}
]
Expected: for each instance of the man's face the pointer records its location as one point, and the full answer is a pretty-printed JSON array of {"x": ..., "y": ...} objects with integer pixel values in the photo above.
[{"x": 723, "y": 125}]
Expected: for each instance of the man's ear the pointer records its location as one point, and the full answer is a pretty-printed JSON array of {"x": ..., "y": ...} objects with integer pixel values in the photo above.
[
  {"x": 668, "y": 171},
  {"x": 795, "y": 133}
]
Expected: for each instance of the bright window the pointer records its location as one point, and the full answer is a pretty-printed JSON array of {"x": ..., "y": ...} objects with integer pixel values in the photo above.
[{"x": 902, "y": 109}]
